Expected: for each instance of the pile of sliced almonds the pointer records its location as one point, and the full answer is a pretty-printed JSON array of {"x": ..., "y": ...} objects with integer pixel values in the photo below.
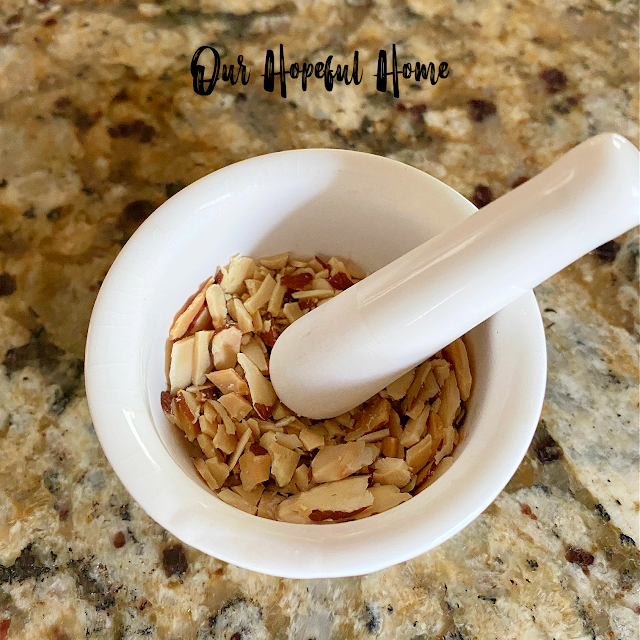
[{"x": 253, "y": 452}]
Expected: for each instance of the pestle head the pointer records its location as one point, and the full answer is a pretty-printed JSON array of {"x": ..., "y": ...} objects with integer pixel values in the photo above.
[{"x": 350, "y": 348}]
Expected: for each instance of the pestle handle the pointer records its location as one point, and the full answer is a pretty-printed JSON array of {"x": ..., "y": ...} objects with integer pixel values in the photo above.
[{"x": 351, "y": 347}]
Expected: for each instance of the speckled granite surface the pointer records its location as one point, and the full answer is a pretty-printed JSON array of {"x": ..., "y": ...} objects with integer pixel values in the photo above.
[{"x": 99, "y": 125}]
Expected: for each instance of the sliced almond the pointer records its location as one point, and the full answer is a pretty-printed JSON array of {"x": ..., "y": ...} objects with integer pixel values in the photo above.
[
  {"x": 286, "y": 421},
  {"x": 253, "y": 496},
  {"x": 225, "y": 345},
  {"x": 274, "y": 308},
  {"x": 261, "y": 389},
  {"x": 207, "y": 426},
  {"x": 398, "y": 389},
  {"x": 457, "y": 353},
  {"x": 219, "y": 470},
  {"x": 292, "y": 311},
  {"x": 395, "y": 428},
  {"x": 258, "y": 324},
  {"x": 339, "y": 499},
  {"x": 333, "y": 427},
  {"x": 217, "y": 305},
  {"x": 415, "y": 429},
  {"x": 421, "y": 375},
  {"x": 188, "y": 403},
  {"x": 420, "y": 454},
  {"x": 228, "y": 381},
  {"x": 206, "y": 444},
  {"x": 390, "y": 447},
  {"x": 311, "y": 439},
  {"x": 255, "y": 467},
  {"x": 428, "y": 390},
  {"x": 255, "y": 462},
  {"x": 242, "y": 443},
  {"x": 237, "y": 407},
  {"x": 233, "y": 499},
  {"x": 205, "y": 474},
  {"x": 240, "y": 315},
  {"x": 317, "y": 294},
  {"x": 268, "y": 439},
  {"x": 374, "y": 436},
  {"x": 243, "y": 426},
  {"x": 410, "y": 486},
  {"x": 391, "y": 471},
  {"x": 374, "y": 417},
  {"x": 228, "y": 423},
  {"x": 269, "y": 501},
  {"x": 337, "y": 266},
  {"x": 261, "y": 297},
  {"x": 450, "y": 400},
  {"x": 252, "y": 286},
  {"x": 336, "y": 462},
  {"x": 448, "y": 443},
  {"x": 284, "y": 463},
  {"x": 436, "y": 429},
  {"x": 385, "y": 497},
  {"x": 240, "y": 268},
  {"x": 254, "y": 352},
  {"x": 345, "y": 419},
  {"x": 301, "y": 478},
  {"x": 182, "y": 322},
  {"x": 181, "y": 367},
  {"x": 201, "y": 356},
  {"x": 183, "y": 419},
  {"x": 298, "y": 263},
  {"x": 201, "y": 323},
  {"x": 289, "y": 440},
  {"x": 225, "y": 441},
  {"x": 440, "y": 369},
  {"x": 279, "y": 411},
  {"x": 318, "y": 284},
  {"x": 277, "y": 261}
]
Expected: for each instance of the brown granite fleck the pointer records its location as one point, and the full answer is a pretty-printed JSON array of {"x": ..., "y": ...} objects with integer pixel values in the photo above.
[
  {"x": 554, "y": 79},
  {"x": 7, "y": 284},
  {"x": 481, "y": 109},
  {"x": 482, "y": 195},
  {"x": 174, "y": 560}
]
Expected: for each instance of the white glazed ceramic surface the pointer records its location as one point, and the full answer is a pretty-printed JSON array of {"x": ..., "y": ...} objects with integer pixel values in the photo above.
[
  {"x": 385, "y": 325},
  {"x": 330, "y": 202}
]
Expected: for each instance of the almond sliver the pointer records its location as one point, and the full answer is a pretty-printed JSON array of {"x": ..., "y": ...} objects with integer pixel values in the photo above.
[
  {"x": 217, "y": 305},
  {"x": 183, "y": 321},
  {"x": 242, "y": 443},
  {"x": 261, "y": 296},
  {"x": 201, "y": 357},
  {"x": 239, "y": 270},
  {"x": 277, "y": 261},
  {"x": 457, "y": 353},
  {"x": 181, "y": 367},
  {"x": 313, "y": 293}
]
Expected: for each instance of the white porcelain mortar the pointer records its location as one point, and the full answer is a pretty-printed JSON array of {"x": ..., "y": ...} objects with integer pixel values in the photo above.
[{"x": 329, "y": 202}]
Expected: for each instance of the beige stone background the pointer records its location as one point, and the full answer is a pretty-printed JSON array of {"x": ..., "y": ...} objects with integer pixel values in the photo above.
[{"x": 99, "y": 125}]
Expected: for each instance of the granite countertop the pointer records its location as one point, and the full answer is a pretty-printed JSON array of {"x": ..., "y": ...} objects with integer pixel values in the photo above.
[{"x": 99, "y": 124}]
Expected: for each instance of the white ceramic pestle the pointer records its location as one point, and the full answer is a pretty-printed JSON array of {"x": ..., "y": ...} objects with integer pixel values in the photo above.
[{"x": 351, "y": 347}]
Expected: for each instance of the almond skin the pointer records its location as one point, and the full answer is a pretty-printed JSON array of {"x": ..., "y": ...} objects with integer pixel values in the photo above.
[
  {"x": 263, "y": 411},
  {"x": 165, "y": 401},
  {"x": 297, "y": 282},
  {"x": 340, "y": 281}
]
